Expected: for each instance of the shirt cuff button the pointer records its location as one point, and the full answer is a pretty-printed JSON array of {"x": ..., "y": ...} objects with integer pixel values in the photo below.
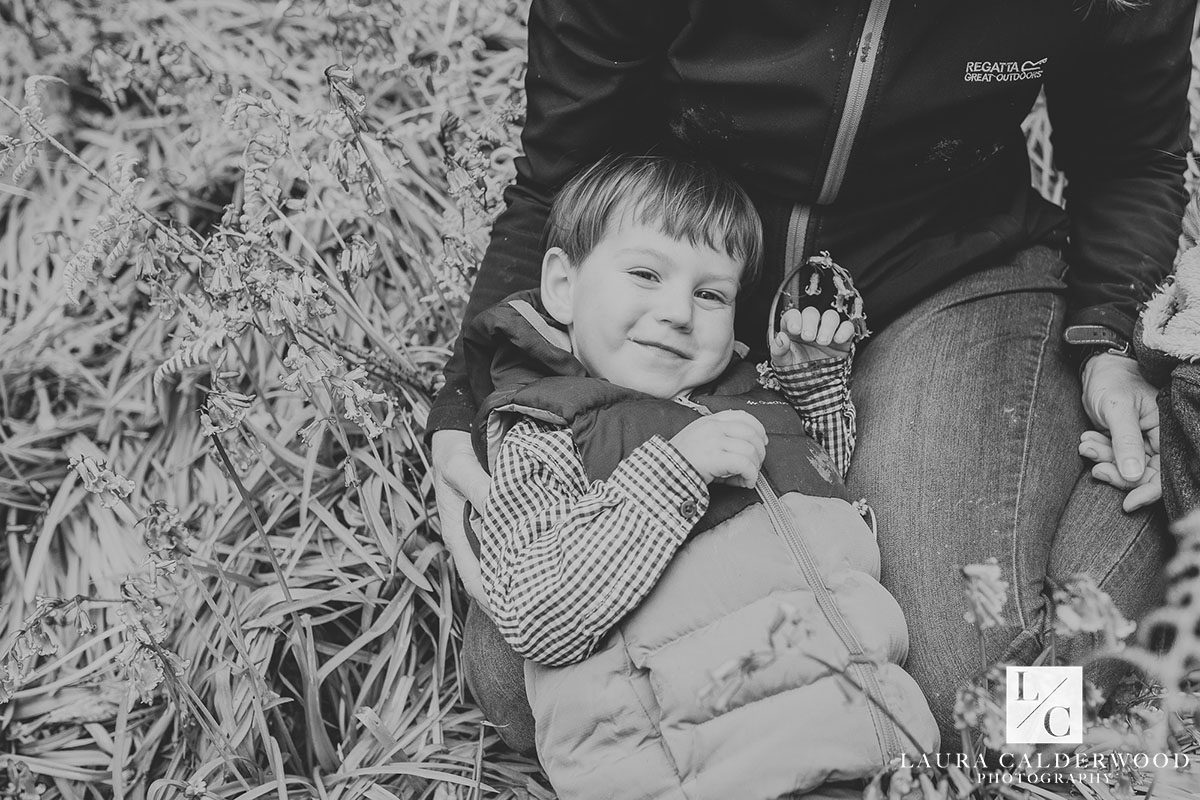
[{"x": 687, "y": 508}]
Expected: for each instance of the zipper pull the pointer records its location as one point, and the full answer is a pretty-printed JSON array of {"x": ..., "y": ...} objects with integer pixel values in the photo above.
[{"x": 689, "y": 403}]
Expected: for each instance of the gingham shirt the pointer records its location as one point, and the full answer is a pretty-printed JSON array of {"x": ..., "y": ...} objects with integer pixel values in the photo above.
[{"x": 564, "y": 559}]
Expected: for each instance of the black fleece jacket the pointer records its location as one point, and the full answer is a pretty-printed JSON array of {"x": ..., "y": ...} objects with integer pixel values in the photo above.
[{"x": 884, "y": 131}]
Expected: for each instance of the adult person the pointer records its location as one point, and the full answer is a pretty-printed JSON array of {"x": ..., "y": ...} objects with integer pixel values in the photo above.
[{"x": 888, "y": 134}]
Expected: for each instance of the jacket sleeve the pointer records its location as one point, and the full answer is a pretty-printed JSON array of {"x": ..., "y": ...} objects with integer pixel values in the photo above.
[
  {"x": 1119, "y": 113},
  {"x": 590, "y": 88}
]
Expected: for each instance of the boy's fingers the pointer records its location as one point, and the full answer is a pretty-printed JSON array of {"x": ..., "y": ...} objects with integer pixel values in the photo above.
[
  {"x": 738, "y": 417},
  {"x": 742, "y": 481},
  {"x": 828, "y": 327},
  {"x": 790, "y": 322},
  {"x": 845, "y": 332},
  {"x": 748, "y": 434},
  {"x": 746, "y": 418},
  {"x": 741, "y": 472},
  {"x": 739, "y": 449},
  {"x": 780, "y": 345},
  {"x": 810, "y": 321},
  {"x": 741, "y": 426},
  {"x": 748, "y": 470}
]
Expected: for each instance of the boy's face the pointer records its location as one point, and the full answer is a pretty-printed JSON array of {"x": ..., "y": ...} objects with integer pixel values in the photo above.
[{"x": 646, "y": 311}]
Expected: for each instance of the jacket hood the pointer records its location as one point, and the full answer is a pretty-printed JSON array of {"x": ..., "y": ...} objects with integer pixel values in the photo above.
[{"x": 521, "y": 325}]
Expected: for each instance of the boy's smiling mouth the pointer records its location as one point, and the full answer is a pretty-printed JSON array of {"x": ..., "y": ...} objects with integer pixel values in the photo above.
[{"x": 662, "y": 347}]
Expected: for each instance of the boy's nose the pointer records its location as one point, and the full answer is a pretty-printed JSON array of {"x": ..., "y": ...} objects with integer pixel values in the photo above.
[{"x": 675, "y": 309}]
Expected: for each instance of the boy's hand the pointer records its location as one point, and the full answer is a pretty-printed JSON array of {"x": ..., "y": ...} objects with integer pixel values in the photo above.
[
  {"x": 728, "y": 446},
  {"x": 809, "y": 335}
]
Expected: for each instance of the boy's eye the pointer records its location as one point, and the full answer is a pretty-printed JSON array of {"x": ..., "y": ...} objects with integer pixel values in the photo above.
[
  {"x": 643, "y": 273},
  {"x": 711, "y": 296}
]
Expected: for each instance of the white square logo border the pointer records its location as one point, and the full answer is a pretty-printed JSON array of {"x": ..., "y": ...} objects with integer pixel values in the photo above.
[{"x": 1043, "y": 704}]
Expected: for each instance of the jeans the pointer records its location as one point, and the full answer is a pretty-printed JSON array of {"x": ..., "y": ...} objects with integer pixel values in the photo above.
[{"x": 969, "y": 420}]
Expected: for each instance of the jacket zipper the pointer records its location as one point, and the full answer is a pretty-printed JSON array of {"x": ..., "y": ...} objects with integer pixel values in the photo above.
[
  {"x": 860, "y": 665},
  {"x": 793, "y": 254},
  {"x": 856, "y": 99},
  {"x": 861, "y": 73},
  {"x": 797, "y": 235}
]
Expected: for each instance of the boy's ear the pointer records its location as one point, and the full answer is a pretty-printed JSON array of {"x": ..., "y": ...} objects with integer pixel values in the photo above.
[{"x": 558, "y": 285}]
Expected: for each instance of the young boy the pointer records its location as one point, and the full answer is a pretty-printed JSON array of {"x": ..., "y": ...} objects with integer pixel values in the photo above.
[{"x": 624, "y": 549}]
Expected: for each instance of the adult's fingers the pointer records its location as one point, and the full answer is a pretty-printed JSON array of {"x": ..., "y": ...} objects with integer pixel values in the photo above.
[
  {"x": 1148, "y": 408},
  {"x": 450, "y": 519},
  {"x": 1152, "y": 439},
  {"x": 1098, "y": 447},
  {"x": 1150, "y": 489},
  {"x": 458, "y": 479},
  {"x": 1149, "y": 492},
  {"x": 1106, "y": 472},
  {"x": 1096, "y": 451},
  {"x": 455, "y": 466},
  {"x": 1125, "y": 431}
]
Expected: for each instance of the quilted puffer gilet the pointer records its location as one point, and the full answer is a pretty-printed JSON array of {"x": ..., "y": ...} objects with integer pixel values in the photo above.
[{"x": 745, "y": 673}]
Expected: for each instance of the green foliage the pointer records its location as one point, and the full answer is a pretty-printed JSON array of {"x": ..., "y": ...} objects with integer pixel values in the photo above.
[{"x": 236, "y": 241}]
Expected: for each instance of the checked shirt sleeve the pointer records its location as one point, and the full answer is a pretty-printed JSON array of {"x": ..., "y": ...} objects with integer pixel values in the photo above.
[
  {"x": 564, "y": 559},
  {"x": 820, "y": 393}
]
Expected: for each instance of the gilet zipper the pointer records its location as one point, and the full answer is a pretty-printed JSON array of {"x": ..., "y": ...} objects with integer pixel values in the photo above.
[{"x": 859, "y": 662}]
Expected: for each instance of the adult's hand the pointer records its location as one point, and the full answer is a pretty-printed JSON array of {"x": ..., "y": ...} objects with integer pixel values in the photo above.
[
  {"x": 1119, "y": 400},
  {"x": 458, "y": 479}
]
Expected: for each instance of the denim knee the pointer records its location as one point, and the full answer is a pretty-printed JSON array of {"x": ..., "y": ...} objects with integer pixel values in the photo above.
[{"x": 495, "y": 677}]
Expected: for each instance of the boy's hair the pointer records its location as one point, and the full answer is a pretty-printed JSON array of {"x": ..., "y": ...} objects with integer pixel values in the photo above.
[{"x": 686, "y": 200}]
